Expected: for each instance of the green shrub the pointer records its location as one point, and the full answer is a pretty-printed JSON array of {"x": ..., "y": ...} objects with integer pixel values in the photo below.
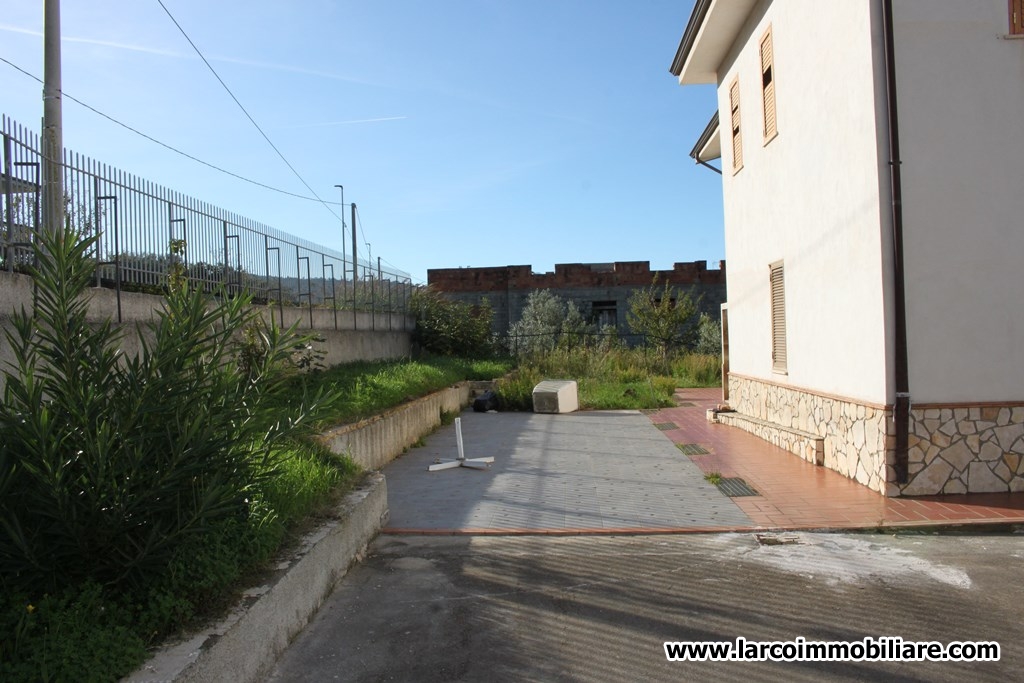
[
  {"x": 108, "y": 464},
  {"x": 450, "y": 328},
  {"x": 79, "y": 634},
  {"x": 709, "y": 336},
  {"x": 548, "y": 323}
]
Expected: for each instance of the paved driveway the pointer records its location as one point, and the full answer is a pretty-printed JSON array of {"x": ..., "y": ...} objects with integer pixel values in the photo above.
[
  {"x": 585, "y": 472},
  {"x": 598, "y": 608}
]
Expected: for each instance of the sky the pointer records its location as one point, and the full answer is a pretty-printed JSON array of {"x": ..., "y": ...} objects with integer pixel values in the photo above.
[{"x": 468, "y": 132}]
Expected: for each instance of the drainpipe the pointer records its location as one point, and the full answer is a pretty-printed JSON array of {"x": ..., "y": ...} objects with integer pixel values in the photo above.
[
  {"x": 707, "y": 165},
  {"x": 901, "y": 408}
]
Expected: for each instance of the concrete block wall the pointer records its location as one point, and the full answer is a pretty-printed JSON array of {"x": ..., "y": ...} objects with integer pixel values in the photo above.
[{"x": 506, "y": 288}]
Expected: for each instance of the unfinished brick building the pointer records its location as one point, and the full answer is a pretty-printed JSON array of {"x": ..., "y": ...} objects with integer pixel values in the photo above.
[{"x": 601, "y": 290}]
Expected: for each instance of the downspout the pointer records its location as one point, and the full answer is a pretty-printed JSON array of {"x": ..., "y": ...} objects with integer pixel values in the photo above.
[
  {"x": 707, "y": 165},
  {"x": 901, "y": 407}
]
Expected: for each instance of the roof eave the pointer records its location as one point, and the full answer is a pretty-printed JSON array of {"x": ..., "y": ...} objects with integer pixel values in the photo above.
[
  {"x": 711, "y": 31},
  {"x": 709, "y": 144},
  {"x": 700, "y": 10}
]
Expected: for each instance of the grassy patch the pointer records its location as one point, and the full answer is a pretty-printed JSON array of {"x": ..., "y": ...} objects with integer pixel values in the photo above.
[
  {"x": 90, "y": 631},
  {"x": 610, "y": 378},
  {"x": 368, "y": 388},
  {"x": 714, "y": 478}
]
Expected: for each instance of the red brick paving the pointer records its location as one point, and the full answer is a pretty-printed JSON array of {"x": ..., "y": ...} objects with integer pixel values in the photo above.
[{"x": 796, "y": 494}]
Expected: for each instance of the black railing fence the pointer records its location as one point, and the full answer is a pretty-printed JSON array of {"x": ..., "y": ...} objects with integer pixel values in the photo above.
[{"x": 136, "y": 222}]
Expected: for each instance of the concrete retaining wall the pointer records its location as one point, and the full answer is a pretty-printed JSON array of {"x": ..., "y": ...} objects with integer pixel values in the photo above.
[
  {"x": 377, "y": 441},
  {"x": 360, "y": 336},
  {"x": 244, "y": 646}
]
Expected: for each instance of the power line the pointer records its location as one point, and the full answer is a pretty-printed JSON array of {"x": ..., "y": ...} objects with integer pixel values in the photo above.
[
  {"x": 164, "y": 144},
  {"x": 359, "y": 224},
  {"x": 251, "y": 119}
]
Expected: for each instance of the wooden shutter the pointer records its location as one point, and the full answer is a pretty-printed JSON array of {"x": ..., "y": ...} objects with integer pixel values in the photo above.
[
  {"x": 737, "y": 139},
  {"x": 768, "y": 86},
  {"x": 1017, "y": 17},
  {"x": 778, "y": 296}
]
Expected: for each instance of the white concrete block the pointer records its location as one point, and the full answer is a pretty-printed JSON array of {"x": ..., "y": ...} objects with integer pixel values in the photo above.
[{"x": 556, "y": 396}]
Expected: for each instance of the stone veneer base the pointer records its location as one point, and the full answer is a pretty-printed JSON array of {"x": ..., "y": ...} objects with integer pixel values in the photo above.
[
  {"x": 966, "y": 449},
  {"x": 958, "y": 448},
  {"x": 810, "y": 447},
  {"x": 855, "y": 436}
]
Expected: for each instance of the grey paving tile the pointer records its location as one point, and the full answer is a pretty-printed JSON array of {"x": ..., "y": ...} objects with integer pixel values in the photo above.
[{"x": 597, "y": 470}]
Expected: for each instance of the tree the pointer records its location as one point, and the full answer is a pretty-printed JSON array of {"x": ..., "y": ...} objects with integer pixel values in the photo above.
[
  {"x": 709, "y": 336},
  {"x": 667, "y": 318},
  {"x": 547, "y": 321}
]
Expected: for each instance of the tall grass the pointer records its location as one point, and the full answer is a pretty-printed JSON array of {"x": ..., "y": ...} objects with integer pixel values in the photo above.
[
  {"x": 612, "y": 378},
  {"x": 364, "y": 389}
]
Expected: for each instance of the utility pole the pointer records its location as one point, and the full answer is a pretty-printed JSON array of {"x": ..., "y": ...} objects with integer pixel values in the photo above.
[
  {"x": 355, "y": 260},
  {"x": 53, "y": 136}
]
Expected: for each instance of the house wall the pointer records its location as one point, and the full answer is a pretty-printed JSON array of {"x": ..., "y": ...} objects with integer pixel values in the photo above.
[
  {"x": 817, "y": 197},
  {"x": 810, "y": 197},
  {"x": 961, "y": 103},
  {"x": 814, "y": 198},
  {"x": 961, "y": 95}
]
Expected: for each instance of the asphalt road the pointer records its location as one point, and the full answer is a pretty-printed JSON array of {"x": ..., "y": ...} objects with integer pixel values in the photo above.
[{"x": 600, "y": 608}]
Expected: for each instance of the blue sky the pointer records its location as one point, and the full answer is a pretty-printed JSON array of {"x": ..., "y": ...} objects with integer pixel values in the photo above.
[{"x": 469, "y": 133}]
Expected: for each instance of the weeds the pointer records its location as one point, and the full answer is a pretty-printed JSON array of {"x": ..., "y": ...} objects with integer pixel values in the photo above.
[
  {"x": 367, "y": 388},
  {"x": 610, "y": 378}
]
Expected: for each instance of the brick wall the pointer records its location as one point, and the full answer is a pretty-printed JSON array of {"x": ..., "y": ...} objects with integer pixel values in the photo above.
[{"x": 506, "y": 288}]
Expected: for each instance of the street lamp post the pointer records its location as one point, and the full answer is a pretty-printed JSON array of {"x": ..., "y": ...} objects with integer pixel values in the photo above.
[{"x": 343, "y": 226}]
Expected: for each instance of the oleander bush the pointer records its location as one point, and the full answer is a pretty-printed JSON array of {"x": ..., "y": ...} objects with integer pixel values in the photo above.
[
  {"x": 135, "y": 490},
  {"x": 109, "y": 463}
]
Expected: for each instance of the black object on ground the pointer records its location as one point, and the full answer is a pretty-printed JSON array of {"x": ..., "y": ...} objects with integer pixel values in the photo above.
[{"x": 485, "y": 401}]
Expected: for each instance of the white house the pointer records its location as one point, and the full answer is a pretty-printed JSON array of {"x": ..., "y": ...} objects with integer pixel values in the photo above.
[{"x": 872, "y": 160}]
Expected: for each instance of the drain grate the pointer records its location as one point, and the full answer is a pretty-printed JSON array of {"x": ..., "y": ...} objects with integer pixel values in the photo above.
[
  {"x": 685, "y": 404},
  {"x": 779, "y": 539},
  {"x": 734, "y": 487},
  {"x": 665, "y": 426},
  {"x": 692, "y": 449}
]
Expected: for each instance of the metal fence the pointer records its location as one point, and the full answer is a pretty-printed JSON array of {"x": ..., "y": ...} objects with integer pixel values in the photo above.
[
  {"x": 523, "y": 344},
  {"x": 136, "y": 221}
]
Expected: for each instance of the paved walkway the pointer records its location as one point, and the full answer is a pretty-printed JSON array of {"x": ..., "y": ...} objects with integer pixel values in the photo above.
[
  {"x": 607, "y": 472},
  {"x": 614, "y": 472},
  {"x": 796, "y": 494}
]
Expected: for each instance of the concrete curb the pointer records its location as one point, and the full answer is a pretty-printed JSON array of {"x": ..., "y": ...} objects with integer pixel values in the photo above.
[{"x": 244, "y": 645}]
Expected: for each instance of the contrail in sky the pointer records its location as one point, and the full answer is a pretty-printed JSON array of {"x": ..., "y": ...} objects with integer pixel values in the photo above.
[
  {"x": 178, "y": 55},
  {"x": 342, "y": 123}
]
